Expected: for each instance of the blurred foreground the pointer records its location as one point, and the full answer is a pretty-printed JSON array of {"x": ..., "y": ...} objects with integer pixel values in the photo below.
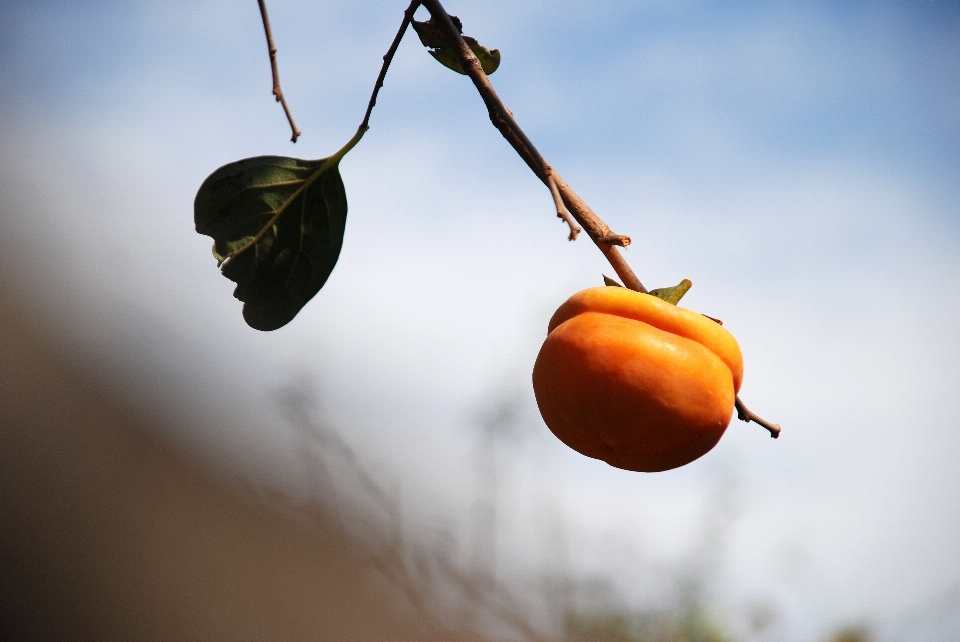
[{"x": 111, "y": 534}]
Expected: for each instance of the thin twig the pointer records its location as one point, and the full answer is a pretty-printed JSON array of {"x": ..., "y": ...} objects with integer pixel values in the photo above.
[
  {"x": 503, "y": 120},
  {"x": 277, "y": 91},
  {"x": 387, "y": 59},
  {"x": 744, "y": 414},
  {"x": 562, "y": 211}
]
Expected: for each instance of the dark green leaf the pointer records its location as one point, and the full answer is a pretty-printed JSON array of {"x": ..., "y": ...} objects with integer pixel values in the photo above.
[
  {"x": 610, "y": 282},
  {"x": 674, "y": 294},
  {"x": 277, "y": 224},
  {"x": 431, "y": 36}
]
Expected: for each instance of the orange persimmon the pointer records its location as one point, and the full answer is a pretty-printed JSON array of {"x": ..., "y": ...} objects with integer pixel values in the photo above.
[{"x": 635, "y": 381}]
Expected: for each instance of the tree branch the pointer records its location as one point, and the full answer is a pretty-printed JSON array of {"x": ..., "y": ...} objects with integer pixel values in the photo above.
[
  {"x": 744, "y": 414},
  {"x": 387, "y": 59},
  {"x": 277, "y": 91},
  {"x": 562, "y": 211},
  {"x": 503, "y": 120}
]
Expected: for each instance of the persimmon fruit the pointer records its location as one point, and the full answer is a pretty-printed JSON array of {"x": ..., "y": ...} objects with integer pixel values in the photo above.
[{"x": 635, "y": 381}]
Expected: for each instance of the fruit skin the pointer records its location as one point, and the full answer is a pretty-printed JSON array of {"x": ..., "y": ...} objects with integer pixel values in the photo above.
[{"x": 635, "y": 381}]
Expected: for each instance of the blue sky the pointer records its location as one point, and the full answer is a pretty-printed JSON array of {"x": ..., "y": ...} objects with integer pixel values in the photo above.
[{"x": 800, "y": 163}]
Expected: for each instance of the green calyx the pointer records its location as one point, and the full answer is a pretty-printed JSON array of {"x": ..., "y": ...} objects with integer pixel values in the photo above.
[{"x": 670, "y": 295}]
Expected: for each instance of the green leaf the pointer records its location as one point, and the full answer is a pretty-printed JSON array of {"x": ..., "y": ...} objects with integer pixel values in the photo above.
[
  {"x": 610, "y": 282},
  {"x": 431, "y": 36},
  {"x": 673, "y": 294},
  {"x": 277, "y": 225}
]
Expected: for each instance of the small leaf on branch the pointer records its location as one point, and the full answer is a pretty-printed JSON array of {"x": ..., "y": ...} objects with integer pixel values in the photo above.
[
  {"x": 431, "y": 36},
  {"x": 610, "y": 282},
  {"x": 673, "y": 294}
]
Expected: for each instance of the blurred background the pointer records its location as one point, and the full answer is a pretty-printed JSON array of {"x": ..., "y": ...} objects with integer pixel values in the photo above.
[{"x": 800, "y": 163}]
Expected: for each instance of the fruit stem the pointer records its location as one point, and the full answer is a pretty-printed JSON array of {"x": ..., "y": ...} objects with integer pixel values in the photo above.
[{"x": 745, "y": 414}]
